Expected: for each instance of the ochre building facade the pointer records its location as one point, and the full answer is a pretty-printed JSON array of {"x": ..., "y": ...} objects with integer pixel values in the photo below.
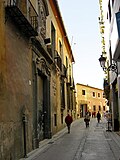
[
  {"x": 36, "y": 83},
  {"x": 90, "y": 99}
]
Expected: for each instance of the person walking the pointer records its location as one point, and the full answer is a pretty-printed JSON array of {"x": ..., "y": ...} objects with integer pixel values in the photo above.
[
  {"x": 98, "y": 116},
  {"x": 68, "y": 121},
  {"x": 87, "y": 119}
]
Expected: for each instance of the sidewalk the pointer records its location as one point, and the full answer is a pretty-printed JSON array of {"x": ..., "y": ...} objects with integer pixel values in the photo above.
[
  {"x": 45, "y": 143},
  {"x": 112, "y": 138},
  {"x": 115, "y": 136},
  {"x": 100, "y": 143}
]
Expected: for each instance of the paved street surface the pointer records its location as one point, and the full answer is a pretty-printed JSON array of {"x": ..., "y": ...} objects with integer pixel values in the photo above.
[{"x": 92, "y": 143}]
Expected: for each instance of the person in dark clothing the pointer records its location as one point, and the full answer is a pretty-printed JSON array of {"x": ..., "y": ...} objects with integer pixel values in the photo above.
[
  {"x": 98, "y": 116},
  {"x": 68, "y": 121},
  {"x": 87, "y": 119}
]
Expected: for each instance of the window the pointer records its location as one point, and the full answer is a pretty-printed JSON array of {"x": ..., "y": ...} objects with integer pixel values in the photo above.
[
  {"x": 66, "y": 62},
  {"x": 61, "y": 118},
  {"x": 60, "y": 48},
  {"x": 53, "y": 40},
  {"x": 112, "y": 2},
  {"x": 110, "y": 53},
  {"x": 69, "y": 70},
  {"x": 103, "y": 95},
  {"x": 99, "y": 108},
  {"x": 107, "y": 15},
  {"x": 55, "y": 119},
  {"x": 94, "y": 108},
  {"x": 98, "y": 94},
  {"x": 93, "y": 94},
  {"x": 62, "y": 92},
  {"x": 109, "y": 9},
  {"x": 103, "y": 108},
  {"x": 83, "y": 92}
]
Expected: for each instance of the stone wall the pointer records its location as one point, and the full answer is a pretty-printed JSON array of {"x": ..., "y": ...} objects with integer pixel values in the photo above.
[{"x": 16, "y": 94}]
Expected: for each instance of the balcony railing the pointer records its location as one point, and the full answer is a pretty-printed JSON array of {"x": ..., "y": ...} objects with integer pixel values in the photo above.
[
  {"x": 24, "y": 15},
  {"x": 58, "y": 60},
  {"x": 64, "y": 71},
  {"x": 49, "y": 48}
]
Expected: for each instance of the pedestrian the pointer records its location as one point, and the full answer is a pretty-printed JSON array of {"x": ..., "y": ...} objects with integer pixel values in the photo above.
[
  {"x": 87, "y": 119},
  {"x": 98, "y": 116},
  {"x": 68, "y": 121}
]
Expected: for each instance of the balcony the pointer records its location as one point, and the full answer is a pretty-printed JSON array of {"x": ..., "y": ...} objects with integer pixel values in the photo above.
[
  {"x": 49, "y": 49},
  {"x": 64, "y": 71},
  {"x": 115, "y": 38},
  {"x": 58, "y": 60},
  {"x": 24, "y": 15}
]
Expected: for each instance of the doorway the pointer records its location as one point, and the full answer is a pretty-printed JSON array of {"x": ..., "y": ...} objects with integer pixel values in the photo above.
[{"x": 40, "y": 108}]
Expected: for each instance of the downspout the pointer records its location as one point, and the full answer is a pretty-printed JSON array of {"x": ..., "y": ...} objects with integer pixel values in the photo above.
[
  {"x": 36, "y": 106},
  {"x": 24, "y": 119}
]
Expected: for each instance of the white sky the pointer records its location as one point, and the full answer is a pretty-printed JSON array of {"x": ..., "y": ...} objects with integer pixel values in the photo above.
[{"x": 81, "y": 22}]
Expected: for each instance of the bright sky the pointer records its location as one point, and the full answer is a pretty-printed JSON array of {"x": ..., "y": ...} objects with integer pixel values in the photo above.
[{"x": 81, "y": 24}]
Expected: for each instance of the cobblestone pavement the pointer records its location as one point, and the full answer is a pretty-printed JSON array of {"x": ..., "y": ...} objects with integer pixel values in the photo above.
[{"x": 93, "y": 143}]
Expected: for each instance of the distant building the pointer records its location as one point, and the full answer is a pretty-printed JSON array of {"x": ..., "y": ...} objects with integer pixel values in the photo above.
[{"x": 90, "y": 99}]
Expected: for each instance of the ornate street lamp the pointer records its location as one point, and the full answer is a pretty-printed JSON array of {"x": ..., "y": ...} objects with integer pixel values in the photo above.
[{"x": 112, "y": 67}]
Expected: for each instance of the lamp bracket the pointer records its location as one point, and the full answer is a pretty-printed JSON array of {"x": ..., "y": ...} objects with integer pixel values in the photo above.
[{"x": 113, "y": 67}]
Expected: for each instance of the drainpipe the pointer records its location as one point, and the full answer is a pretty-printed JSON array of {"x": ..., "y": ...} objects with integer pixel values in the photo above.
[
  {"x": 35, "y": 101},
  {"x": 24, "y": 119}
]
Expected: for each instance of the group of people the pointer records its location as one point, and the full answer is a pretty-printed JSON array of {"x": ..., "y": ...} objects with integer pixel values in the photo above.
[
  {"x": 69, "y": 120},
  {"x": 87, "y": 118}
]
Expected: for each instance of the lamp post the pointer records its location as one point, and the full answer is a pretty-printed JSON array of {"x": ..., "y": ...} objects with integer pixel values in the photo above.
[{"x": 112, "y": 67}]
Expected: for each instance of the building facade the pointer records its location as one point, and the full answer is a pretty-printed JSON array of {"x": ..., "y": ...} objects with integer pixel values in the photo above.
[
  {"x": 62, "y": 82},
  {"x": 36, "y": 83},
  {"x": 90, "y": 99},
  {"x": 109, "y": 27}
]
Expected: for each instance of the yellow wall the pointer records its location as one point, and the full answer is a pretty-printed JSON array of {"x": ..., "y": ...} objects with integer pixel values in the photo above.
[
  {"x": 56, "y": 76},
  {"x": 89, "y": 100}
]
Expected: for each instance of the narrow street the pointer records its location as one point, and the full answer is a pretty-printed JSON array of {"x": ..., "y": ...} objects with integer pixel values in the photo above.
[{"x": 92, "y": 143}]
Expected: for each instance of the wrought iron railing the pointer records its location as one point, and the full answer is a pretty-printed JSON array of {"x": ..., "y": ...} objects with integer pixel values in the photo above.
[
  {"x": 27, "y": 9},
  {"x": 58, "y": 60},
  {"x": 64, "y": 71}
]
